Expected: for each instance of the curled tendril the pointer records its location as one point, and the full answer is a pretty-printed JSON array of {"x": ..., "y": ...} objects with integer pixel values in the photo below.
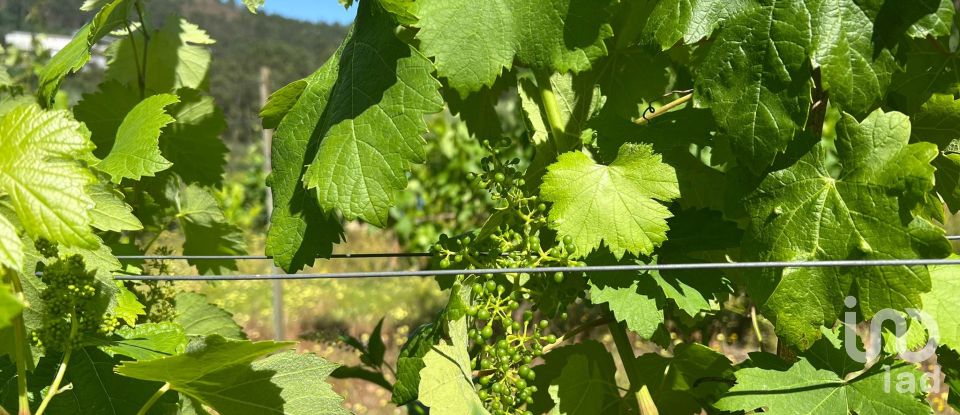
[{"x": 649, "y": 110}]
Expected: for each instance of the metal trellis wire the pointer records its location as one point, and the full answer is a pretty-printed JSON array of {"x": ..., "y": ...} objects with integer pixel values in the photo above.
[
  {"x": 534, "y": 270},
  {"x": 367, "y": 255}
]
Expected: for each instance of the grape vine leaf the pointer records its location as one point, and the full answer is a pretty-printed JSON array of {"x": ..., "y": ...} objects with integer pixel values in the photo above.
[
  {"x": 915, "y": 19},
  {"x": 206, "y": 231},
  {"x": 756, "y": 80},
  {"x": 940, "y": 303},
  {"x": 227, "y": 376},
  {"x": 472, "y": 49},
  {"x": 619, "y": 204},
  {"x": 253, "y": 5},
  {"x": 178, "y": 57},
  {"x": 128, "y": 307},
  {"x": 803, "y": 388},
  {"x": 949, "y": 361},
  {"x": 938, "y": 121},
  {"x": 640, "y": 312},
  {"x": 577, "y": 380},
  {"x": 855, "y": 76},
  {"x": 192, "y": 143},
  {"x": 370, "y": 132},
  {"x": 110, "y": 212},
  {"x": 76, "y": 53},
  {"x": 410, "y": 362},
  {"x": 804, "y": 213},
  {"x": 928, "y": 71},
  {"x": 199, "y": 318},
  {"x": 300, "y": 231},
  {"x": 446, "y": 380},
  {"x": 103, "y": 111},
  {"x": 281, "y": 102},
  {"x": 36, "y": 144},
  {"x": 149, "y": 341},
  {"x": 96, "y": 389},
  {"x": 677, "y": 382},
  {"x": 11, "y": 247},
  {"x": 948, "y": 180},
  {"x": 10, "y": 306},
  {"x": 671, "y": 21},
  {"x": 136, "y": 151}
]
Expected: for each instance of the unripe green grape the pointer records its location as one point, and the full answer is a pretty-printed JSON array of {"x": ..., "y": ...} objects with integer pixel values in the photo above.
[
  {"x": 491, "y": 286},
  {"x": 543, "y": 324},
  {"x": 477, "y": 288},
  {"x": 487, "y": 332},
  {"x": 558, "y": 277},
  {"x": 445, "y": 263},
  {"x": 483, "y": 314}
]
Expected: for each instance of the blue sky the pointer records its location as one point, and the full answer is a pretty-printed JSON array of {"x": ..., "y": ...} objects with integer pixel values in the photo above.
[{"x": 329, "y": 11}]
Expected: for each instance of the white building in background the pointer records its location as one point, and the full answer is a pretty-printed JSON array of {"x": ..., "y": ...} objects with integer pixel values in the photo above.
[{"x": 52, "y": 43}]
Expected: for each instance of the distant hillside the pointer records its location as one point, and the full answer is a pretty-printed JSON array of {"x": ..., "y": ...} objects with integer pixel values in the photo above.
[{"x": 293, "y": 49}]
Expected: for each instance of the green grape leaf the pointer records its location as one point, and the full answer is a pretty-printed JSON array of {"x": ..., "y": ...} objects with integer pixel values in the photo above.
[
  {"x": 75, "y": 54},
  {"x": 300, "y": 231},
  {"x": 281, "y": 102},
  {"x": 149, "y": 341},
  {"x": 914, "y": 19},
  {"x": 136, "y": 151},
  {"x": 802, "y": 388},
  {"x": 178, "y": 57},
  {"x": 577, "y": 380},
  {"x": 36, "y": 144},
  {"x": 805, "y": 213},
  {"x": 698, "y": 236},
  {"x": 227, "y": 376},
  {"x": 619, "y": 204},
  {"x": 756, "y": 80},
  {"x": 110, "y": 212},
  {"x": 854, "y": 75},
  {"x": 928, "y": 71},
  {"x": 253, "y": 5},
  {"x": 103, "y": 111},
  {"x": 372, "y": 122},
  {"x": 938, "y": 121},
  {"x": 446, "y": 380},
  {"x": 948, "y": 180},
  {"x": 472, "y": 49},
  {"x": 96, "y": 389},
  {"x": 949, "y": 361},
  {"x": 206, "y": 230},
  {"x": 678, "y": 382},
  {"x": 941, "y": 301},
  {"x": 640, "y": 312},
  {"x": 128, "y": 307},
  {"x": 192, "y": 143},
  {"x": 200, "y": 318},
  {"x": 11, "y": 247},
  {"x": 10, "y": 306},
  {"x": 410, "y": 362},
  {"x": 671, "y": 21}
]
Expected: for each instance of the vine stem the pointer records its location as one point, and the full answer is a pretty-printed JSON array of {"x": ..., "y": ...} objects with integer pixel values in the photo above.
[
  {"x": 146, "y": 44},
  {"x": 552, "y": 110},
  {"x": 625, "y": 350},
  {"x": 664, "y": 109},
  {"x": 62, "y": 371},
  {"x": 20, "y": 344},
  {"x": 154, "y": 398},
  {"x": 575, "y": 331}
]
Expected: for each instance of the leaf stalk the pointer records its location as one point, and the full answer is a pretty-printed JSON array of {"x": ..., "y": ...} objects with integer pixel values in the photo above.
[
  {"x": 62, "y": 371},
  {"x": 153, "y": 399}
]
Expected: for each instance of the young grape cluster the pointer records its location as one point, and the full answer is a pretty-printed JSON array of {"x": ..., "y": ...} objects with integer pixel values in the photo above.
[
  {"x": 69, "y": 299},
  {"x": 509, "y": 315}
]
